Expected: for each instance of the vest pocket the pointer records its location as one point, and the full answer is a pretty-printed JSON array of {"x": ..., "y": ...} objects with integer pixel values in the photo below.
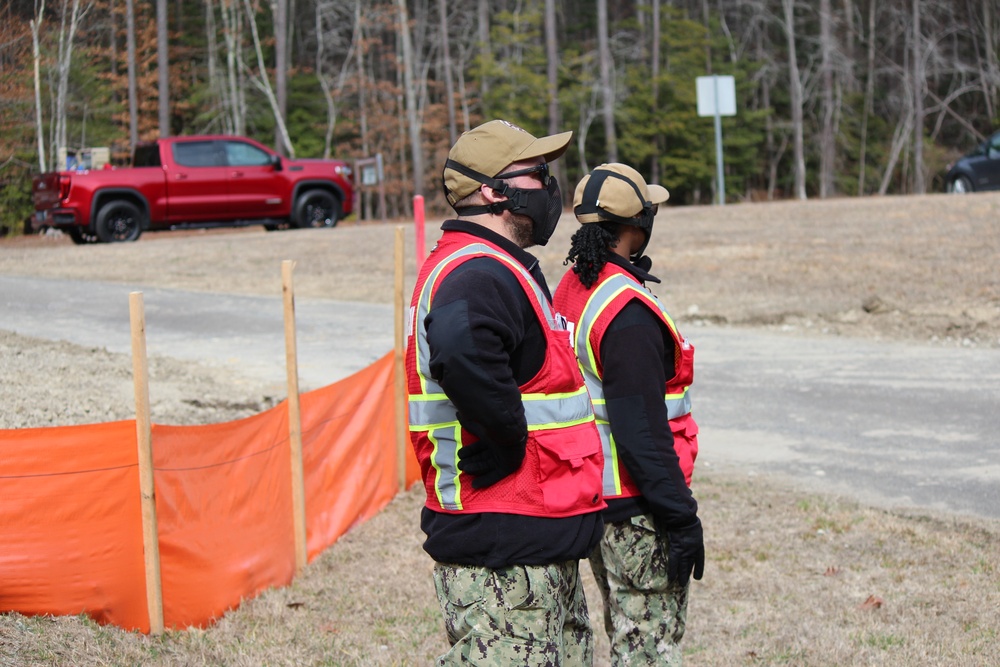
[{"x": 570, "y": 464}]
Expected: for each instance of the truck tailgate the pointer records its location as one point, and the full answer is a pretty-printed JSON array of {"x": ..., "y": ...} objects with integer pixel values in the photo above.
[{"x": 45, "y": 190}]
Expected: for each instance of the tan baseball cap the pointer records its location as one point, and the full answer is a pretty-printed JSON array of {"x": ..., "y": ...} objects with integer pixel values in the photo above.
[
  {"x": 615, "y": 196},
  {"x": 491, "y": 148}
]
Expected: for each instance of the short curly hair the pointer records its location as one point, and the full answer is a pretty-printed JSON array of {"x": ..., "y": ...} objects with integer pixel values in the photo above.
[{"x": 589, "y": 249}]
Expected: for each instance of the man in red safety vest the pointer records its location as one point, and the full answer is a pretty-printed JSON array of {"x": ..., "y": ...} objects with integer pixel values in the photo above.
[
  {"x": 500, "y": 418},
  {"x": 638, "y": 369}
]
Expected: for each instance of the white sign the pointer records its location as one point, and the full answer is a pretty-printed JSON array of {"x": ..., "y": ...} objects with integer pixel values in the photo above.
[{"x": 716, "y": 92}]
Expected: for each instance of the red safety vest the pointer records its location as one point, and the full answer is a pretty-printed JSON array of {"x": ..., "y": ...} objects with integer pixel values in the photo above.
[
  {"x": 590, "y": 312},
  {"x": 561, "y": 472}
]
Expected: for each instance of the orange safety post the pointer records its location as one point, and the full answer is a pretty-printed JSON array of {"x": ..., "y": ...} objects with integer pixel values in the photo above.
[{"x": 418, "y": 229}]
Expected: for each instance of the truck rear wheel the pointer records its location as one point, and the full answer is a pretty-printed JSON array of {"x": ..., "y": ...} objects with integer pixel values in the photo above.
[
  {"x": 118, "y": 221},
  {"x": 317, "y": 208},
  {"x": 82, "y": 235}
]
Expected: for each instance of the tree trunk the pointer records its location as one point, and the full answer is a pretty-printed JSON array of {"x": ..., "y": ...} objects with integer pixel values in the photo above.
[
  {"x": 280, "y": 11},
  {"x": 263, "y": 82},
  {"x": 133, "y": 98},
  {"x": 359, "y": 27},
  {"x": 919, "y": 185},
  {"x": 827, "y": 140},
  {"x": 449, "y": 87},
  {"x": 607, "y": 86},
  {"x": 485, "y": 51},
  {"x": 231, "y": 33},
  {"x": 991, "y": 81},
  {"x": 36, "y": 56},
  {"x": 654, "y": 66},
  {"x": 163, "y": 67},
  {"x": 416, "y": 149},
  {"x": 898, "y": 141},
  {"x": 64, "y": 63},
  {"x": 869, "y": 98},
  {"x": 552, "y": 72},
  {"x": 795, "y": 86}
]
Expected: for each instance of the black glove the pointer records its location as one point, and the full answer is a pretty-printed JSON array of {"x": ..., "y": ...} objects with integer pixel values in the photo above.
[
  {"x": 489, "y": 463},
  {"x": 686, "y": 552}
]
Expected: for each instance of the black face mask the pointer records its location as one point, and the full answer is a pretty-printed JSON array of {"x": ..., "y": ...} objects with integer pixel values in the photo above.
[
  {"x": 542, "y": 207},
  {"x": 646, "y": 225}
]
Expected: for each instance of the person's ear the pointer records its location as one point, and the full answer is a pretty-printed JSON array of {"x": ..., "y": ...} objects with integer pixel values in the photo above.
[{"x": 489, "y": 194}]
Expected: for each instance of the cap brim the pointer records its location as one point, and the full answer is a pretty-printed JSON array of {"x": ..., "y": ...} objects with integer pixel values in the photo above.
[
  {"x": 657, "y": 194},
  {"x": 551, "y": 147}
]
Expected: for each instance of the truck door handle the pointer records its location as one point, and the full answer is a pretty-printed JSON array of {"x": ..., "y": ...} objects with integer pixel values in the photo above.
[
  {"x": 237, "y": 174},
  {"x": 180, "y": 177}
]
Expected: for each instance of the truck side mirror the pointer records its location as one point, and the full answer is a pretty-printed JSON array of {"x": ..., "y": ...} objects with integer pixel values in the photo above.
[{"x": 276, "y": 162}]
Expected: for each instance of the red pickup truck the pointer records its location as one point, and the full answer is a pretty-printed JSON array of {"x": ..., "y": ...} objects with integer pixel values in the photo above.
[{"x": 193, "y": 181}]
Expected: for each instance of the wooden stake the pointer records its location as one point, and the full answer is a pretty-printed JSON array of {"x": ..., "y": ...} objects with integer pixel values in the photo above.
[
  {"x": 402, "y": 428},
  {"x": 144, "y": 443},
  {"x": 294, "y": 419}
]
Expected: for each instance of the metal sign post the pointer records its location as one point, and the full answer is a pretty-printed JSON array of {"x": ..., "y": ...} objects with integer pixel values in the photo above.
[
  {"x": 717, "y": 97},
  {"x": 370, "y": 174}
]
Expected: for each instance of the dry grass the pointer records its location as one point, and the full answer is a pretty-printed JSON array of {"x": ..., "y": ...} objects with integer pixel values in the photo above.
[{"x": 791, "y": 579}]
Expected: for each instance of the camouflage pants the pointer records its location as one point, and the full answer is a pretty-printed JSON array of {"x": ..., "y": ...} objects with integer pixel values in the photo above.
[
  {"x": 644, "y": 616},
  {"x": 518, "y": 615}
]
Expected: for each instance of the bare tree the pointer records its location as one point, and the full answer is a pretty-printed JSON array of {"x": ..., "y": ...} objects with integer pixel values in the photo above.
[
  {"x": 339, "y": 28},
  {"x": 163, "y": 67},
  {"x": 654, "y": 66},
  {"x": 262, "y": 82},
  {"x": 280, "y": 10},
  {"x": 827, "y": 139},
  {"x": 416, "y": 149},
  {"x": 449, "y": 86},
  {"x": 552, "y": 73},
  {"x": 67, "y": 35},
  {"x": 133, "y": 98},
  {"x": 485, "y": 51},
  {"x": 795, "y": 86},
  {"x": 36, "y": 26},
  {"x": 607, "y": 86},
  {"x": 919, "y": 186},
  {"x": 232, "y": 35},
  {"x": 869, "y": 98}
]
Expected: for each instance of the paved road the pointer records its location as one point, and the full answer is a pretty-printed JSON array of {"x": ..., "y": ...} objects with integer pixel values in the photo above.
[{"x": 888, "y": 424}]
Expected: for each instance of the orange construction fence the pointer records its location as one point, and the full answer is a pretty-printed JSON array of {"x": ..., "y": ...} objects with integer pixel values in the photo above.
[{"x": 71, "y": 537}]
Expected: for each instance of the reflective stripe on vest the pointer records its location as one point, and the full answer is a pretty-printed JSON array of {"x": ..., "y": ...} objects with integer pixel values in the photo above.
[
  {"x": 677, "y": 404},
  {"x": 433, "y": 412}
]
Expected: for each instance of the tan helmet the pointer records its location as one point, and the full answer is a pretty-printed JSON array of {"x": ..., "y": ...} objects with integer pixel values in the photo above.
[{"x": 616, "y": 192}]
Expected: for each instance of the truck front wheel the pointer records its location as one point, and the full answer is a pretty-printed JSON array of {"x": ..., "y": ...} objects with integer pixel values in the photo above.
[
  {"x": 317, "y": 208},
  {"x": 119, "y": 221}
]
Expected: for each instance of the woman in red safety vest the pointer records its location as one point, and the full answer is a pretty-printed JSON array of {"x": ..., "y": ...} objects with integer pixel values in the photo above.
[{"x": 638, "y": 369}]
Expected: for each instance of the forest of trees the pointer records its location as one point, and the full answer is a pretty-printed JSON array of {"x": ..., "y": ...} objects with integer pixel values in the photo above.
[{"x": 834, "y": 97}]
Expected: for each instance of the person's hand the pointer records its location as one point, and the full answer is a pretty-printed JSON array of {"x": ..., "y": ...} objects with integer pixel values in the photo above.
[
  {"x": 489, "y": 463},
  {"x": 686, "y": 553}
]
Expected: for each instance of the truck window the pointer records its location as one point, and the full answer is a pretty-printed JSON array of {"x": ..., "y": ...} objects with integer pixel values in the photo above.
[
  {"x": 240, "y": 154},
  {"x": 147, "y": 155},
  {"x": 197, "y": 154}
]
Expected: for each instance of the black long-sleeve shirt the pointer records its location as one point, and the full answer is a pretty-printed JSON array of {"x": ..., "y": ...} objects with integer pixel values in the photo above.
[
  {"x": 485, "y": 341},
  {"x": 637, "y": 355}
]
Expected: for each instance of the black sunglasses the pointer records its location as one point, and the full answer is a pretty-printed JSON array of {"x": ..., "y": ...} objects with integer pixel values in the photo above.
[{"x": 542, "y": 169}]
